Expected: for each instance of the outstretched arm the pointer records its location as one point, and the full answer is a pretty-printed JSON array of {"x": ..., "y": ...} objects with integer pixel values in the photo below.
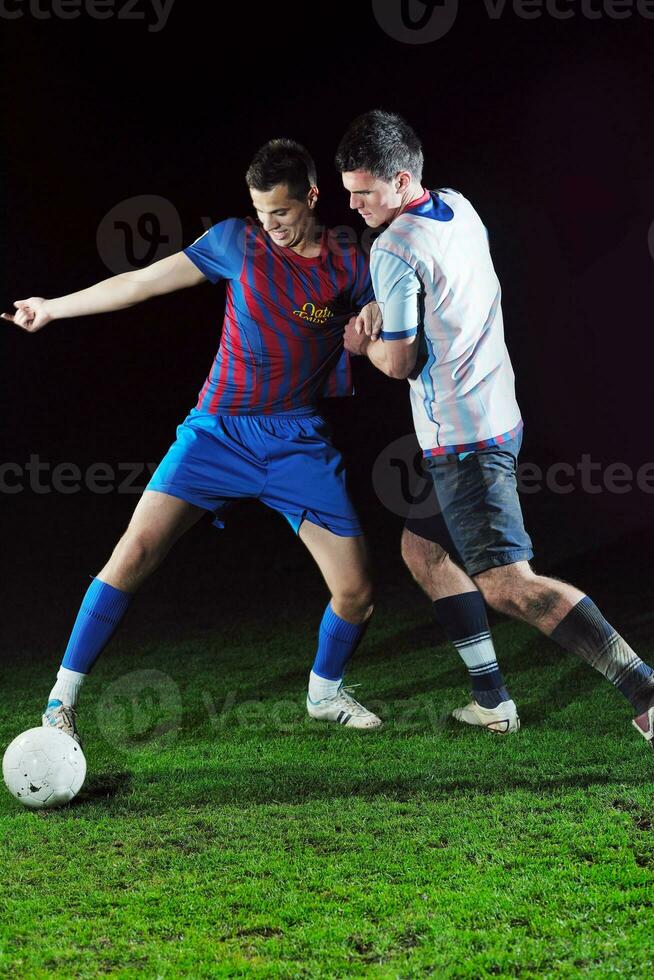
[{"x": 118, "y": 293}]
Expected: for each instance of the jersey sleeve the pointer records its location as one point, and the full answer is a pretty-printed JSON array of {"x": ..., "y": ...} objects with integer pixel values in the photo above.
[
  {"x": 397, "y": 290},
  {"x": 220, "y": 251},
  {"x": 362, "y": 293}
]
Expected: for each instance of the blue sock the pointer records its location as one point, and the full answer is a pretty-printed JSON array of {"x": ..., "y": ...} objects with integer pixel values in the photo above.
[
  {"x": 337, "y": 641},
  {"x": 464, "y": 619},
  {"x": 101, "y": 611}
]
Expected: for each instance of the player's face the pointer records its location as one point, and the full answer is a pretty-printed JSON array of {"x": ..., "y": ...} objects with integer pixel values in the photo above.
[
  {"x": 376, "y": 200},
  {"x": 285, "y": 219}
]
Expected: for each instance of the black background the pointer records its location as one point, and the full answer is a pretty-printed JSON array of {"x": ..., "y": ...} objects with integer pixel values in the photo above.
[{"x": 545, "y": 124}]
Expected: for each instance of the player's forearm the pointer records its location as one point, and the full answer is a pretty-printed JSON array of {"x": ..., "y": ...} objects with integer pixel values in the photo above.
[
  {"x": 378, "y": 353},
  {"x": 395, "y": 358},
  {"x": 360, "y": 345},
  {"x": 117, "y": 293}
]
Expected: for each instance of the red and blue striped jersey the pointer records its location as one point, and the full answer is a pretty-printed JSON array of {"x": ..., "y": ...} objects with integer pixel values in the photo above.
[{"x": 281, "y": 346}]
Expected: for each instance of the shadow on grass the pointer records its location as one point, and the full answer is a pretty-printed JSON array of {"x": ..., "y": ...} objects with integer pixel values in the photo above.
[
  {"x": 104, "y": 786},
  {"x": 296, "y": 785},
  {"x": 442, "y": 670}
]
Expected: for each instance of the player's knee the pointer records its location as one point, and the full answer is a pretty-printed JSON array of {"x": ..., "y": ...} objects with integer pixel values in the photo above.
[
  {"x": 362, "y": 597},
  {"x": 365, "y": 598},
  {"x": 508, "y": 596},
  {"x": 135, "y": 553},
  {"x": 353, "y": 601},
  {"x": 422, "y": 557},
  {"x": 501, "y": 601},
  {"x": 410, "y": 549}
]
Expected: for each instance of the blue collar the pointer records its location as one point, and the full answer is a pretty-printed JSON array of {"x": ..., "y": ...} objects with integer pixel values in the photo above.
[{"x": 433, "y": 207}]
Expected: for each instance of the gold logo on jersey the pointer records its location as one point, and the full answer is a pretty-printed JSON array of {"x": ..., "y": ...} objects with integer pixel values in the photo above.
[{"x": 313, "y": 313}]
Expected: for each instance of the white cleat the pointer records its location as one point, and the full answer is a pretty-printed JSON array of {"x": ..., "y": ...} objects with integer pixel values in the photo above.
[
  {"x": 500, "y": 720},
  {"x": 645, "y": 725},
  {"x": 343, "y": 710},
  {"x": 63, "y": 716}
]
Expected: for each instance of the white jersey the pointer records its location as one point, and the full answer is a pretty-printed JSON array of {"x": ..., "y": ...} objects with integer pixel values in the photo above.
[{"x": 432, "y": 272}]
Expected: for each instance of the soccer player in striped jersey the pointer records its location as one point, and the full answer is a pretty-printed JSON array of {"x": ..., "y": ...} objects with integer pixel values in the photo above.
[
  {"x": 256, "y": 430},
  {"x": 442, "y": 329}
]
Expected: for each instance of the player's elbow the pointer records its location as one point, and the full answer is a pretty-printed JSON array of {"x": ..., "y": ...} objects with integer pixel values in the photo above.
[
  {"x": 401, "y": 364},
  {"x": 126, "y": 290},
  {"x": 399, "y": 371}
]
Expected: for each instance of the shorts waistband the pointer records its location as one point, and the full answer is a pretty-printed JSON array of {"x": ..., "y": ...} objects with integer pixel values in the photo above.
[{"x": 306, "y": 412}]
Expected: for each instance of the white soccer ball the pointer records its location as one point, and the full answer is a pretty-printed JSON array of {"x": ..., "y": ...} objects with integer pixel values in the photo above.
[{"x": 44, "y": 767}]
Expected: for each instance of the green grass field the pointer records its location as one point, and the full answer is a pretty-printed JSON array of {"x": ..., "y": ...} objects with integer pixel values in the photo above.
[{"x": 222, "y": 833}]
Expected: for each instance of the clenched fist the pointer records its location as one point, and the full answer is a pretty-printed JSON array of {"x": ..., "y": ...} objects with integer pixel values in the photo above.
[{"x": 31, "y": 314}]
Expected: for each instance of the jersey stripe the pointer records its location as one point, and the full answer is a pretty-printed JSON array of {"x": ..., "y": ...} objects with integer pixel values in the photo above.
[{"x": 281, "y": 345}]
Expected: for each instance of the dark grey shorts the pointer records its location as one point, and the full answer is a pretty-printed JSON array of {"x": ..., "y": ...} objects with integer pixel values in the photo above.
[{"x": 476, "y": 508}]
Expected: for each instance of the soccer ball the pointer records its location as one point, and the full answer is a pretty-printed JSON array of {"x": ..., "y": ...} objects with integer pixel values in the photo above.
[{"x": 44, "y": 767}]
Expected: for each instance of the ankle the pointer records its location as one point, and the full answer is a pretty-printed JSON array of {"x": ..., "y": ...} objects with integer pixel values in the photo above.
[
  {"x": 491, "y": 699},
  {"x": 322, "y": 687}
]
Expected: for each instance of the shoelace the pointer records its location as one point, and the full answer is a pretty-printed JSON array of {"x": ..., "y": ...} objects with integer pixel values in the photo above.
[
  {"x": 344, "y": 695},
  {"x": 62, "y": 717}
]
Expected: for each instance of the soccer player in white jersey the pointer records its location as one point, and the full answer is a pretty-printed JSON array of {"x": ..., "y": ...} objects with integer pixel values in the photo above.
[{"x": 439, "y": 297}]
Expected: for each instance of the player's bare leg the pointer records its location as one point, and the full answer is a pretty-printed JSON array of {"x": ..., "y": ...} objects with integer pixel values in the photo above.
[
  {"x": 519, "y": 592},
  {"x": 433, "y": 569},
  {"x": 459, "y": 608},
  {"x": 343, "y": 562},
  {"x": 159, "y": 520},
  {"x": 573, "y": 621}
]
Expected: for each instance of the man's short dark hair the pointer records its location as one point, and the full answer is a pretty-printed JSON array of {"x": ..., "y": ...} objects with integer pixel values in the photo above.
[
  {"x": 382, "y": 143},
  {"x": 282, "y": 161}
]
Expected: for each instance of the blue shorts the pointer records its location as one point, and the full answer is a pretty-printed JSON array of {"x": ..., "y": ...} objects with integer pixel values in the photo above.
[
  {"x": 287, "y": 461},
  {"x": 475, "y": 511}
]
